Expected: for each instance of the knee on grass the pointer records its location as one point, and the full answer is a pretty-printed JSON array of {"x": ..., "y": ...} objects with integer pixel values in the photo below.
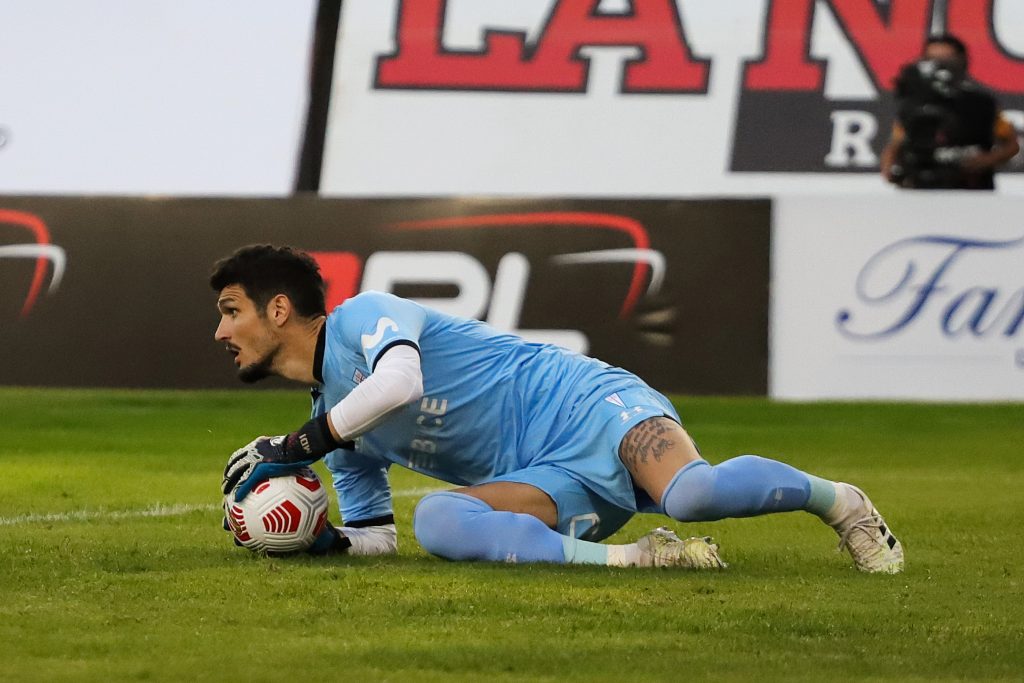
[
  {"x": 460, "y": 527},
  {"x": 443, "y": 524}
]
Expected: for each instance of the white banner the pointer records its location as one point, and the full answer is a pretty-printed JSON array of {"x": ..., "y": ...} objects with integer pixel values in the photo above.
[
  {"x": 158, "y": 97},
  {"x": 618, "y": 98},
  {"x": 917, "y": 296}
]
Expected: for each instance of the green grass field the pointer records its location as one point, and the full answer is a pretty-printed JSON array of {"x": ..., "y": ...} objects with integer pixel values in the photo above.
[{"x": 113, "y": 565}]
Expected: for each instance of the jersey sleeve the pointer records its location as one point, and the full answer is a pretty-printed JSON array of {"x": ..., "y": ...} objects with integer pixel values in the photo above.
[
  {"x": 361, "y": 482},
  {"x": 373, "y": 322}
]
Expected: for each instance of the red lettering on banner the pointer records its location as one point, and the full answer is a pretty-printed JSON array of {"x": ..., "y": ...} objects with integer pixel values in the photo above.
[
  {"x": 885, "y": 38},
  {"x": 991, "y": 65},
  {"x": 341, "y": 271},
  {"x": 666, "y": 64}
]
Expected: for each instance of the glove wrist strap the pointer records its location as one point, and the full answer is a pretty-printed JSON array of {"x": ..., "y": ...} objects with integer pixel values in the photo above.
[
  {"x": 312, "y": 440},
  {"x": 330, "y": 542}
]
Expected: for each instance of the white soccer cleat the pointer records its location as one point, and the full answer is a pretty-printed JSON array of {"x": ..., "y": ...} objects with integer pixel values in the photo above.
[
  {"x": 866, "y": 536},
  {"x": 663, "y": 548}
]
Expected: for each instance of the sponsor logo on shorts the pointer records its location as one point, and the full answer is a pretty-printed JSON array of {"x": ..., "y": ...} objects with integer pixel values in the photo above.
[{"x": 614, "y": 398}]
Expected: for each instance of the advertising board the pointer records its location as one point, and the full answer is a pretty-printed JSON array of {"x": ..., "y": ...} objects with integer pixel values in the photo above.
[
  {"x": 113, "y": 292},
  {"x": 664, "y": 98},
  {"x": 917, "y": 296}
]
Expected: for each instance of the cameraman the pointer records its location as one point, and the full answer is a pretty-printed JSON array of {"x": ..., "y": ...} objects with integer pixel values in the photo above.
[{"x": 949, "y": 132}]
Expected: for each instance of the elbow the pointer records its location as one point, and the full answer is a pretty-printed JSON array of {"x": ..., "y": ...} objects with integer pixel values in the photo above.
[
  {"x": 415, "y": 389},
  {"x": 406, "y": 386}
]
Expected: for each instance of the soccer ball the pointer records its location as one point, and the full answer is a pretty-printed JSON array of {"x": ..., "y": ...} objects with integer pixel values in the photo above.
[{"x": 280, "y": 515}]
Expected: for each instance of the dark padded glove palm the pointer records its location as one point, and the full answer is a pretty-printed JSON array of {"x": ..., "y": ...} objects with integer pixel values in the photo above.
[{"x": 258, "y": 461}]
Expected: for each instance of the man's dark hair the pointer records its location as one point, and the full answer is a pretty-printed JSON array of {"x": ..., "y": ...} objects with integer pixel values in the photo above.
[
  {"x": 952, "y": 41},
  {"x": 264, "y": 271}
]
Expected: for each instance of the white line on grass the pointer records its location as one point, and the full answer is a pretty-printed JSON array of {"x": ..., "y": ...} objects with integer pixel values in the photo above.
[
  {"x": 86, "y": 515},
  {"x": 152, "y": 511}
]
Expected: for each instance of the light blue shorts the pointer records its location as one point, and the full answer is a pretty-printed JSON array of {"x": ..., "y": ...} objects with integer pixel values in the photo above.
[{"x": 580, "y": 469}]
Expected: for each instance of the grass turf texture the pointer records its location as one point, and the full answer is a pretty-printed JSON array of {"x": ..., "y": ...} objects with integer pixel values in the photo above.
[{"x": 92, "y": 589}]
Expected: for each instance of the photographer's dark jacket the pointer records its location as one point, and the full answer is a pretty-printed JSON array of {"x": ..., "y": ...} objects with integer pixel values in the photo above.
[{"x": 945, "y": 119}]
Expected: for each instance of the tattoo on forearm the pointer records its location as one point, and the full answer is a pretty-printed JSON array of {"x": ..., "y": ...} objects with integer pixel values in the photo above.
[{"x": 649, "y": 439}]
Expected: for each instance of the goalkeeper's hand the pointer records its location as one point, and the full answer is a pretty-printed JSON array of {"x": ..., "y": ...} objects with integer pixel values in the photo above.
[
  {"x": 330, "y": 541},
  {"x": 258, "y": 461},
  {"x": 273, "y": 456}
]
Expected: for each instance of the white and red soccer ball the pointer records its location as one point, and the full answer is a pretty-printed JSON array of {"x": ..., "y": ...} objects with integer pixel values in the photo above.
[{"x": 280, "y": 515}]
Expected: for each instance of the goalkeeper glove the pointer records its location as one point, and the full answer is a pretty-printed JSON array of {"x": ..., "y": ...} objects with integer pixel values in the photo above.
[
  {"x": 268, "y": 457},
  {"x": 256, "y": 462},
  {"x": 330, "y": 541}
]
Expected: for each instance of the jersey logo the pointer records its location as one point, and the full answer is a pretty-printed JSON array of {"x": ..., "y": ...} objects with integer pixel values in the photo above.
[{"x": 383, "y": 324}]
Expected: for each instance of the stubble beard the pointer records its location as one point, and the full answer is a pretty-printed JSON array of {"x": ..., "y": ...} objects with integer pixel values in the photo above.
[{"x": 261, "y": 369}]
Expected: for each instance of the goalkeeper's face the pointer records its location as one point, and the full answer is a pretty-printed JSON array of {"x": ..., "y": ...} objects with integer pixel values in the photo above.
[{"x": 247, "y": 334}]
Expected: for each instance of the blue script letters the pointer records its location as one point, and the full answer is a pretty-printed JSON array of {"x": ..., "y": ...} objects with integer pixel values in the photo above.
[{"x": 978, "y": 309}]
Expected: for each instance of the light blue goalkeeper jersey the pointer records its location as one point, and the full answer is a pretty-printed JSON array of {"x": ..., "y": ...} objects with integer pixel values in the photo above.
[{"x": 492, "y": 403}]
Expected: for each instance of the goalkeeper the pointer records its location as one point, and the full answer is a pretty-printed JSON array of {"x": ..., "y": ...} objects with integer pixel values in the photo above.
[{"x": 551, "y": 451}]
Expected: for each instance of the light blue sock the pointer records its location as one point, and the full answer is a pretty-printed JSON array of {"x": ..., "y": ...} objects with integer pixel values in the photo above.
[
  {"x": 823, "y": 495},
  {"x": 576, "y": 551},
  {"x": 460, "y": 527},
  {"x": 743, "y": 487}
]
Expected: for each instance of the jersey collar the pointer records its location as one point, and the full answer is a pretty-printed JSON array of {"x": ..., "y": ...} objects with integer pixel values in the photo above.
[{"x": 318, "y": 355}]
